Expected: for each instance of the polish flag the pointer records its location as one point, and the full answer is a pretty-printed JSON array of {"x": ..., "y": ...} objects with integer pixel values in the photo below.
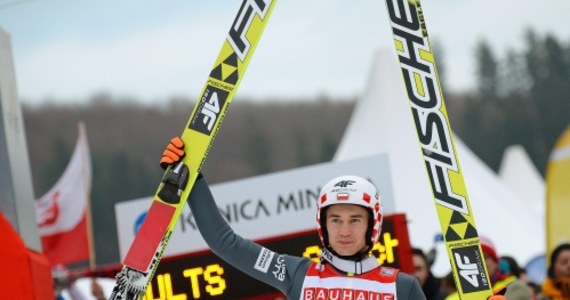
[{"x": 62, "y": 212}]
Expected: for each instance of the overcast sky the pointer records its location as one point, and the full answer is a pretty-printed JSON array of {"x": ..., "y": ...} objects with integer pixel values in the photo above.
[{"x": 153, "y": 50}]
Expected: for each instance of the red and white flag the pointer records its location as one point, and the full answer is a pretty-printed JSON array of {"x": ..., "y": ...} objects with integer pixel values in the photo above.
[{"x": 61, "y": 213}]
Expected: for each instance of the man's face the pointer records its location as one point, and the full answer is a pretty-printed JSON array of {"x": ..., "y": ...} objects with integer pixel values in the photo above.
[
  {"x": 562, "y": 264},
  {"x": 491, "y": 264},
  {"x": 420, "y": 269},
  {"x": 346, "y": 226}
]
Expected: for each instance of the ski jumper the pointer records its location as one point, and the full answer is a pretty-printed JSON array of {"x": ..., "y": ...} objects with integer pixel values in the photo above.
[{"x": 296, "y": 277}]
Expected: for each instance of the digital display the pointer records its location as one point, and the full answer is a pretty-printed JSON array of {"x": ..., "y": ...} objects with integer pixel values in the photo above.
[{"x": 205, "y": 276}]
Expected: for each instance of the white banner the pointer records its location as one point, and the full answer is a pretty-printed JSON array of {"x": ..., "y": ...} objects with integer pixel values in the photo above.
[{"x": 260, "y": 207}]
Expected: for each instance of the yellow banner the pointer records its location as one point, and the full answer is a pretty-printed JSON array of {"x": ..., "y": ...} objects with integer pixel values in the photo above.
[{"x": 558, "y": 193}]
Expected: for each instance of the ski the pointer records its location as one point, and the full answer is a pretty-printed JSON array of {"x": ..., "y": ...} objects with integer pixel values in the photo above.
[
  {"x": 147, "y": 248},
  {"x": 437, "y": 148}
]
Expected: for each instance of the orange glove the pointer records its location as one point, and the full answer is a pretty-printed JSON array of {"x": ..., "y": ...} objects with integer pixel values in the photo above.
[{"x": 173, "y": 153}]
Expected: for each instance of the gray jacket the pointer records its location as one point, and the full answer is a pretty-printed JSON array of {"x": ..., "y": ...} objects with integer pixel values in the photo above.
[{"x": 258, "y": 262}]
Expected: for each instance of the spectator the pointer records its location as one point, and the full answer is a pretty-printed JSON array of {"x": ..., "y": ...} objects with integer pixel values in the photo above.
[
  {"x": 509, "y": 265},
  {"x": 448, "y": 287},
  {"x": 557, "y": 283},
  {"x": 67, "y": 287},
  {"x": 500, "y": 279},
  {"x": 430, "y": 284}
]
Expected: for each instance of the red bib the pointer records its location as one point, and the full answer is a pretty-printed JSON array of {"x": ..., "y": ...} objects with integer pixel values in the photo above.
[{"x": 323, "y": 282}]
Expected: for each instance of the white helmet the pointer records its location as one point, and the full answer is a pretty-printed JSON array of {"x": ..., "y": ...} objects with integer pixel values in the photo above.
[{"x": 351, "y": 189}]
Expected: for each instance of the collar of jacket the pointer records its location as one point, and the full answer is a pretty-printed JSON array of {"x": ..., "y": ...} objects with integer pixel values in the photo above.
[{"x": 349, "y": 266}]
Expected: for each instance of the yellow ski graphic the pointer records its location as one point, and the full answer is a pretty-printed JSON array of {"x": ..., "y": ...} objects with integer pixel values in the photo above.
[
  {"x": 437, "y": 148},
  {"x": 203, "y": 124}
]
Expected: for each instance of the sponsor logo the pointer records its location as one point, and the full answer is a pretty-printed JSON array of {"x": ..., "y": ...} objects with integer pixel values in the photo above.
[
  {"x": 138, "y": 222},
  {"x": 290, "y": 203},
  {"x": 344, "y": 183},
  {"x": 327, "y": 255},
  {"x": 264, "y": 260},
  {"x": 340, "y": 293},
  {"x": 470, "y": 269},
  {"x": 237, "y": 36},
  {"x": 280, "y": 268},
  {"x": 426, "y": 100},
  {"x": 209, "y": 110}
]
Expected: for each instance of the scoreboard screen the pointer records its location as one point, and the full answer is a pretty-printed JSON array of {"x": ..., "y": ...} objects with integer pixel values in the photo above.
[{"x": 205, "y": 276}]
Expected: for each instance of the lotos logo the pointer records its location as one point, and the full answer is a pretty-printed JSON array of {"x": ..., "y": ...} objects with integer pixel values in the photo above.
[
  {"x": 209, "y": 110},
  {"x": 48, "y": 210}
]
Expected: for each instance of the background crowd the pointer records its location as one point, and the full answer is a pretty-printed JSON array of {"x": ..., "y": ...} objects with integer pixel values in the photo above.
[{"x": 505, "y": 274}]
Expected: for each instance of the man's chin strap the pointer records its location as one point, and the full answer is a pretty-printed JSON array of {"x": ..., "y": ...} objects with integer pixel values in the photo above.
[{"x": 350, "y": 266}]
